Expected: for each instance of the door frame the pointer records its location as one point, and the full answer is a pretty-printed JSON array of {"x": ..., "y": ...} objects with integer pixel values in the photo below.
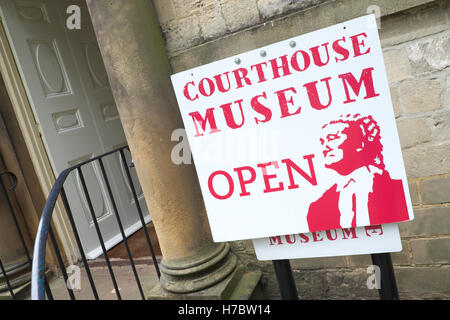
[{"x": 31, "y": 133}]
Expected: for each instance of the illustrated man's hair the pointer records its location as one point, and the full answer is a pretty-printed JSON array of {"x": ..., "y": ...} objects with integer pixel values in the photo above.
[{"x": 371, "y": 137}]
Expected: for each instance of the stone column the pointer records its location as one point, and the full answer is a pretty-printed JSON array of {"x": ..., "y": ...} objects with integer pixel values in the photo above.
[{"x": 139, "y": 73}]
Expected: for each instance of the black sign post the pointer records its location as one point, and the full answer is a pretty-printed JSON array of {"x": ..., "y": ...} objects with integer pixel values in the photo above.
[
  {"x": 388, "y": 286},
  {"x": 285, "y": 279}
]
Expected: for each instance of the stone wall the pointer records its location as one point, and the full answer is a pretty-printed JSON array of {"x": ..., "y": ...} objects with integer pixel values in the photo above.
[
  {"x": 186, "y": 23},
  {"x": 415, "y": 39}
]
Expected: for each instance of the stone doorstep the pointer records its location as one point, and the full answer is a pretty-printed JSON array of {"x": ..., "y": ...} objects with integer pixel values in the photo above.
[
  {"x": 124, "y": 278},
  {"x": 239, "y": 285},
  {"x": 19, "y": 277},
  {"x": 247, "y": 288},
  {"x": 21, "y": 292}
]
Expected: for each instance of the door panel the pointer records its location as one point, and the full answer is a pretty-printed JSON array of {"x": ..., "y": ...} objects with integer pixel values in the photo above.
[{"x": 72, "y": 101}]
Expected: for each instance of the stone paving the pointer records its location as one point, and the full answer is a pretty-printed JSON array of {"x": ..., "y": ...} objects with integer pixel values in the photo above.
[{"x": 125, "y": 278}]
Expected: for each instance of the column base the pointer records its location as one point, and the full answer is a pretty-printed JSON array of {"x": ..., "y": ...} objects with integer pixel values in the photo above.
[
  {"x": 209, "y": 266},
  {"x": 213, "y": 274},
  {"x": 239, "y": 285}
]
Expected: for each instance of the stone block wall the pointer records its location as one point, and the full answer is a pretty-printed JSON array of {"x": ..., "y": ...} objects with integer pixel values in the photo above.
[
  {"x": 415, "y": 36},
  {"x": 420, "y": 50},
  {"x": 186, "y": 23}
]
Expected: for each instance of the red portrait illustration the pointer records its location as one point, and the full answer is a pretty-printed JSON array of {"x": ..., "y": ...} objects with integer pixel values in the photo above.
[{"x": 364, "y": 193}]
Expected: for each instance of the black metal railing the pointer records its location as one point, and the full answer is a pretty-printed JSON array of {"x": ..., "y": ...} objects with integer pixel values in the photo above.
[
  {"x": 39, "y": 286},
  {"x": 3, "y": 269}
]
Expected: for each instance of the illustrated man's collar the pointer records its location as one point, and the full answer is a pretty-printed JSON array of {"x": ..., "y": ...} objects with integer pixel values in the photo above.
[{"x": 360, "y": 174}]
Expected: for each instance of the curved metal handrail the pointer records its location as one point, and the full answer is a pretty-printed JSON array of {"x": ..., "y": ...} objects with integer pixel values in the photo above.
[
  {"x": 38, "y": 265},
  {"x": 4, "y": 270},
  {"x": 44, "y": 229},
  {"x": 13, "y": 177}
]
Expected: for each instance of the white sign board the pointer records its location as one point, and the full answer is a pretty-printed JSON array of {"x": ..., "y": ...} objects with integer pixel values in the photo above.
[
  {"x": 297, "y": 136},
  {"x": 340, "y": 242}
]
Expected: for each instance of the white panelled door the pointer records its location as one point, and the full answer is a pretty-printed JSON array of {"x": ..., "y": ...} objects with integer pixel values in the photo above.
[{"x": 68, "y": 88}]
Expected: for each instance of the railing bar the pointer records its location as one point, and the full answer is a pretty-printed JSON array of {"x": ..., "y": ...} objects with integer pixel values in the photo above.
[
  {"x": 47, "y": 289},
  {"x": 138, "y": 207},
  {"x": 99, "y": 234},
  {"x": 79, "y": 165},
  {"x": 38, "y": 279},
  {"x": 8, "y": 284},
  {"x": 60, "y": 262},
  {"x": 119, "y": 222},
  {"x": 285, "y": 279},
  {"x": 40, "y": 286},
  {"x": 16, "y": 223},
  {"x": 78, "y": 241},
  {"x": 388, "y": 286}
]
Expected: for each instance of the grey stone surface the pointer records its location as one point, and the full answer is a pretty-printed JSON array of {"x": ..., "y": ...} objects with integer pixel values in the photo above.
[
  {"x": 417, "y": 67},
  {"x": 429, "y": 160},
  {"x": 395, "y": 100},
  {"x": 365, "y": 260},
  {"x": 447, "y": 93},
  {"x": 430, "y": 54},
  {"x": 427, "y": 222},
  {"x": 413, "y": 132},
  {"x": 284, "y": 27},
  {"x": 240, "y": 14},
  {"x": 431, "y": 251},
  {"x": 423, "y": 282},
  {"x": 165, "y": 10},
  {"x": 238, "y": 285},
  {"x": 441, "y": 121},
  {"x": 435, "y": 191},
  {"x": 349, "y": 284},
  {"x": 212, "y": 23},
  {"x": 396, "y": 64},
  {"x": 273, "y": 8},
  {"x": 414, "y": 24},
  {"x": 413, "y": 193},
  {"x": 359, "y": 260},
  {"x": 185, "y": 31},
  {"x": 185, "y": 8},
  {"x": 421, "y": 95},
  {"x": 401, "y": 258},
  {"x": 313, "y": 263},
  {"x": 125, "y": 281}
]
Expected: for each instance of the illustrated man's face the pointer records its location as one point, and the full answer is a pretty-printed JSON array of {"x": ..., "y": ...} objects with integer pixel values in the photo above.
[{"x": 333, "y": 140}]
